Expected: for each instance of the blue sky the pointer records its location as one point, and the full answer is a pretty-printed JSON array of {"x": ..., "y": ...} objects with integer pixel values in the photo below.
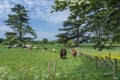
[{"x": 45, "y": 24}]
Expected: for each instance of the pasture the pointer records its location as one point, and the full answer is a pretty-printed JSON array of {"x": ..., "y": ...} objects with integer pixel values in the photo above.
[
  {"x": 113, "y": 50},
  {"x": 25, "y": 64}
]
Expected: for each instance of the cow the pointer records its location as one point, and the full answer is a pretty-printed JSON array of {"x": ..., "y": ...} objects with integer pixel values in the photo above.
[
  {"x": 63, "y": 53},
  {"x": 74, "y": 52},
  {"x": 28, "y": 46},
  {"x": 53, "y": 50},
  {"x": 13, "y": 46}
]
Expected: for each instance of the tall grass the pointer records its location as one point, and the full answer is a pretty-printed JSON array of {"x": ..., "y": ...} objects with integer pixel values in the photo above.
[{"x": 88, "y": 49}]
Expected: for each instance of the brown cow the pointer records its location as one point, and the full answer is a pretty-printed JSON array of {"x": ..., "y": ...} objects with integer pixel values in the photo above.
[{"x": 74, "y": 52}]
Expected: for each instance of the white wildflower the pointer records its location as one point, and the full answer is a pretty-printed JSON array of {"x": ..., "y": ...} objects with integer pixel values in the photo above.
[{"x": 36, "y": 77}]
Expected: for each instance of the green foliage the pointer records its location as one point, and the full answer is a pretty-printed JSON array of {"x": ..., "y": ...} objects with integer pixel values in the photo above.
[
  {"x": 18, "y": 21},
  {"x": 99, "y": 43},
  {"x": 70, "y": 43},
  {"x": 11, "y": 38},
  {"x": 52, "y": 42},
  {"x": 1, "y": 40},
  {"x": 62, "y": 38},
  {"x": 72, "y": 31},
  {"x": 45, "y": 41},
  {"x": 100, "y": 18}
]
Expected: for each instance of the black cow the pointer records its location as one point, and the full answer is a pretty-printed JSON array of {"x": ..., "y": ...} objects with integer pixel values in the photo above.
[{"x": 63, "y": 53}]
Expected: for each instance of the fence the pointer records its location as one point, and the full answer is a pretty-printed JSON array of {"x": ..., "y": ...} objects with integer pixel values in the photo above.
[{"x": 107, "y": 61}]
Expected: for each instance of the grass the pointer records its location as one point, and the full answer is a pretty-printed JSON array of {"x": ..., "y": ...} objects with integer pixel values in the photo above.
[
  {"x": 24, "y": 64},
  {"x": 113, "y": 50}
]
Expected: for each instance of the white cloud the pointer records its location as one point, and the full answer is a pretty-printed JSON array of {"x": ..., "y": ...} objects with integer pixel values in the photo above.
[
  {"x": 51, "y": 17},
  {"x": 29, "y": 2},
  {"x": 58, "y": 17},
  {"x": 42, "y": 11},
  {"x": 39, "y": 9},
  {"x": 49, "y": 35},
  {"x": 5, "y": 8},
  {"x": 5, "y": 28}
]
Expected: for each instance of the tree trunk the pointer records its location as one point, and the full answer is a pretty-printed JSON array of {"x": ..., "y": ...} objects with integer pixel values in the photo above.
[
  {"x": 77, "y": 41},
  {"x": 20, "y": 35}
]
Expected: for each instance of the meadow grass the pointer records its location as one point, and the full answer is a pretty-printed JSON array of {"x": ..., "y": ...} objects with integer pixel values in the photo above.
[
  {"x": 24, "y": 64},
  {"x": 88, "y": 49}
]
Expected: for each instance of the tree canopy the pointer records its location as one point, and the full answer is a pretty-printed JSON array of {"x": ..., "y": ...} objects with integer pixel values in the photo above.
[
  {"x": 45, "y": 41},
  {"x": 99, "y": 17},
  {"x": 18, "y": 21}
]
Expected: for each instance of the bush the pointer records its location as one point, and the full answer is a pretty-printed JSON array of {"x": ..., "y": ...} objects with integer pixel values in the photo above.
[
  {"x": 45, "y": 41},
  {"x": 1, "y": 40},
  {"x": 70, "y": 43}
]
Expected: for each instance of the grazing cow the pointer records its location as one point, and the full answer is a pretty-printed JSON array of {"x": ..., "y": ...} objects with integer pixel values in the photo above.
[
  {"x": 74, "y": 52},
  {"x": 63, "y": 53},
  {"x": 53, "y": 50},
  {"x": 34, "y": 47},
  {"x": 28, "y": 46},
  {"x": 13, "y": 46}
]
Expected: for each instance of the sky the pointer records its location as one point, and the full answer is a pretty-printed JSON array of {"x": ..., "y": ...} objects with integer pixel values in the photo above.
[{"x": 44, "y": 23}]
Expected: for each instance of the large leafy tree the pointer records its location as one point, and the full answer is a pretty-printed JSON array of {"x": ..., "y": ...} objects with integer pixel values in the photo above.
[
  {"x": 11, "y": 38},
  {"x": 45, "y": 41},
  {"x": 1, "y": 40},
  {"x": 62, "y": 38},
  {"x": 74, "y": 31},
  {"x": 18, "y": 21},
  {"x": 101, "y": 17}
]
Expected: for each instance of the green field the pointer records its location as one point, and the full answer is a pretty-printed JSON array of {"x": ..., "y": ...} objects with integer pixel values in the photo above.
[
  {"x": 25, "y": 64},
  {"x": 113, "y": 50}
]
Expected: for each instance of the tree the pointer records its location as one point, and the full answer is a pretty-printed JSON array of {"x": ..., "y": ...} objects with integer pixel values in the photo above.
[
  {"x": 18, "y": 21},
  {"x": 62, "y": 38},
  {"x": 1, "y": 40},
  {"x": 11, "y": 38},
  {"x": 45, "y": 41},
  {"x": 75, "y": 30},
  {"x": 101, "y": 17},
  {"x": 70, "y": 43}
]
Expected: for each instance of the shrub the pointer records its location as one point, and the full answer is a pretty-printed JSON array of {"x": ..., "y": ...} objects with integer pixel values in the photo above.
[
  {"x": 45, "y": 41},
  {"x": 70, "y": 43}
]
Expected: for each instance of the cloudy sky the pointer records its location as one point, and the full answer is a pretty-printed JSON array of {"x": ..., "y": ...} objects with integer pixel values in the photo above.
[{"x": 45, "y": 24}]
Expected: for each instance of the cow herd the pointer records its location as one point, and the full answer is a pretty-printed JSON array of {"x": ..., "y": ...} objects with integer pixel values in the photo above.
[
  {"x": 27, "y": 46},
  {"x": 63, "y": 51}
]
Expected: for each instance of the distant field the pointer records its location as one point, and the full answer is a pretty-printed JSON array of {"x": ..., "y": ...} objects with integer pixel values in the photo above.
[
  {"x": 24, "y": 64},
  {"x": 113, "y": 50}
]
